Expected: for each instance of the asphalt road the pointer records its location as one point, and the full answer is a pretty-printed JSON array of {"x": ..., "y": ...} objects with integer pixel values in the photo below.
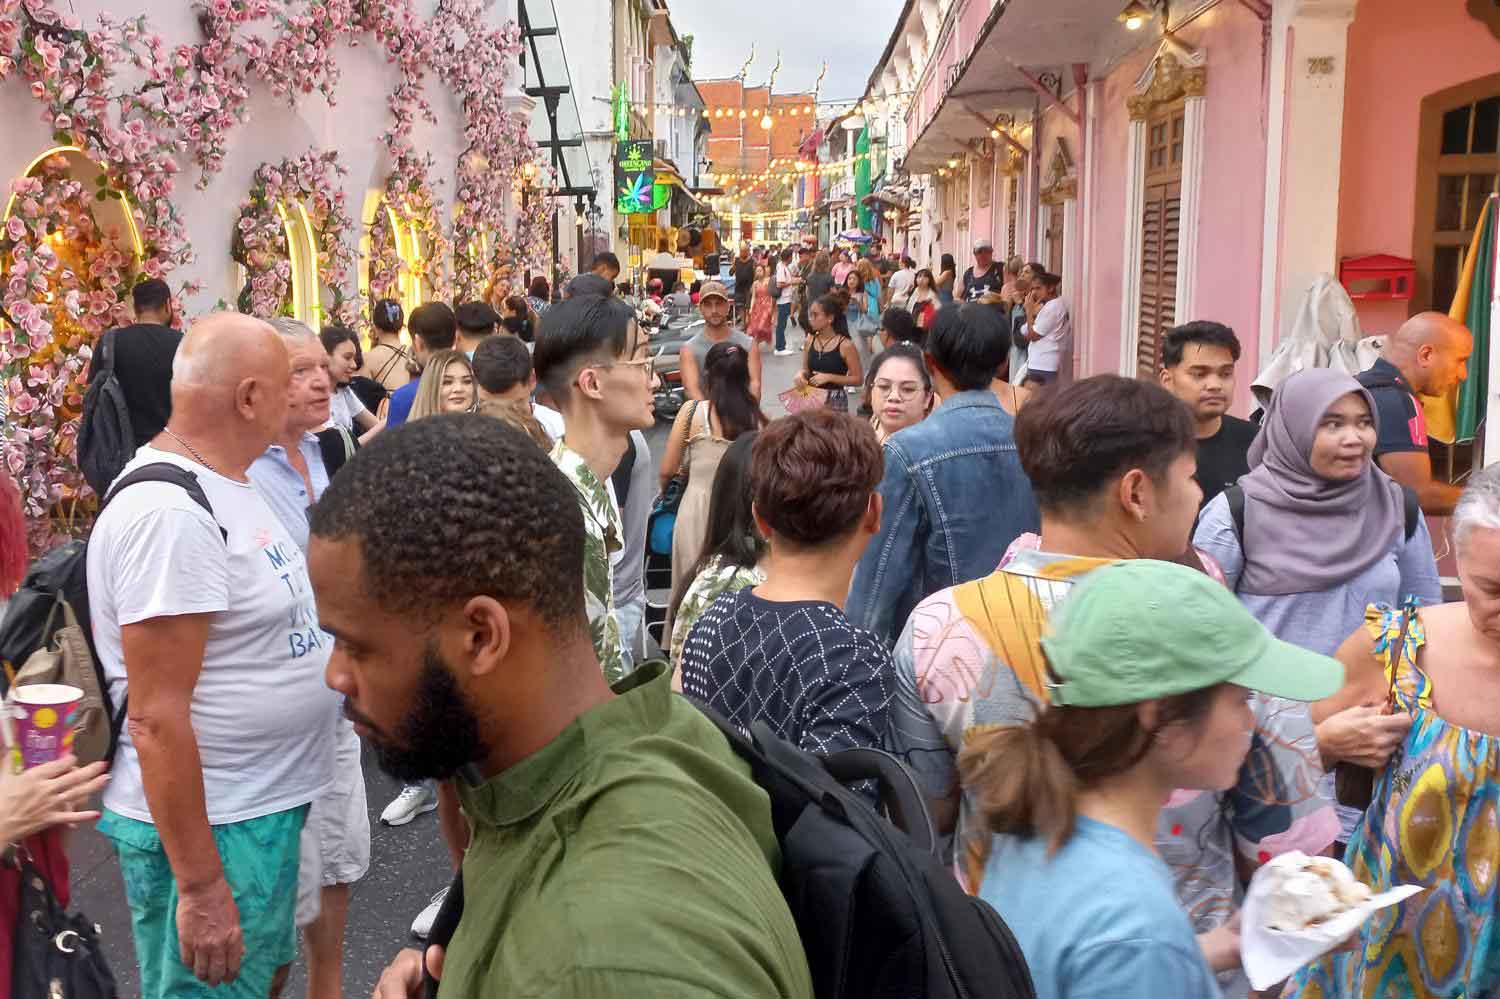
[{"x": 407, "y": 864}]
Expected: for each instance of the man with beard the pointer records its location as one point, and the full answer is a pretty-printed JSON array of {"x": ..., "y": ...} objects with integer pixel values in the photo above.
[
  {"x": 619, "y": 847},
  {"x": 1197, "y": 366}
]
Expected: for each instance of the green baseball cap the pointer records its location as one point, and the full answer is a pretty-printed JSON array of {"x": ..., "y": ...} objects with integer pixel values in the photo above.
[{"x": 1141, "y": 629}]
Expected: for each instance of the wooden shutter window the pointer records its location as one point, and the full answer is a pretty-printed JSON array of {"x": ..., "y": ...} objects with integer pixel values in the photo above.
[{"x": 1161, "y": 225}]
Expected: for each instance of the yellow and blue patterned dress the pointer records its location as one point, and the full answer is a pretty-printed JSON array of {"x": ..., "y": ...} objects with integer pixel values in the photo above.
[{"x": 1433, "y": 823}]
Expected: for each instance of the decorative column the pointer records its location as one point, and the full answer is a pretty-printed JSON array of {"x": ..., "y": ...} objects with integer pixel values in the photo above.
[
  {"x": 1177, "y": 72},
  {"x": 1193, "y": 83},
  {"x": 1135, "y": 193},
  {"x": 1304, "y": 143}
]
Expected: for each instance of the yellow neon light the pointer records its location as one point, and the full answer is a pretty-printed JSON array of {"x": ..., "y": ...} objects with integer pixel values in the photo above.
[
  {"x": 315, "y": 291},
  {"x": 135, "y": 236},
  {"x": 294, "y": 252}
]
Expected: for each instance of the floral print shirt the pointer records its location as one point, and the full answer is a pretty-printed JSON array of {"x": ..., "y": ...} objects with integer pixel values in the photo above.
[
  {"x": 716, "y": 579},
  {"x": 603, "y": 536}
]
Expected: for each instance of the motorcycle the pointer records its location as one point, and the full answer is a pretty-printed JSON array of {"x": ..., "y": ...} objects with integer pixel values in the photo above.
[{"x": 666, "y": 336}]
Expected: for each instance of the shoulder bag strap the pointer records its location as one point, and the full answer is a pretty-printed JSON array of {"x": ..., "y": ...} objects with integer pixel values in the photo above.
[{"x": 687, "y": 437}]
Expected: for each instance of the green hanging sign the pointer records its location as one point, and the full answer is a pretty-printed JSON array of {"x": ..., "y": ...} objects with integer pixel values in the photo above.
[{"x": 635, "y": 177}]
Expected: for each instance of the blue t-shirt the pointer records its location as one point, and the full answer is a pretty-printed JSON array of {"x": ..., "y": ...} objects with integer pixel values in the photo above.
[
  {"x": 400, "y": 407},
  {"x": 1099, "y": 920}
]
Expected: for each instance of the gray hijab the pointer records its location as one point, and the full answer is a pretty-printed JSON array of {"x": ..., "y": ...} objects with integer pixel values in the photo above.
[{"x": 1305, "y": 533}]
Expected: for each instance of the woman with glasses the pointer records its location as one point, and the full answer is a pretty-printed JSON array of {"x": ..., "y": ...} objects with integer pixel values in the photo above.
[{"x": 899, "y": 389}]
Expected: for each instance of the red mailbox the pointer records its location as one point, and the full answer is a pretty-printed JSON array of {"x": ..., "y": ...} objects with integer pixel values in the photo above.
[{"x": 1379, "y": 277}]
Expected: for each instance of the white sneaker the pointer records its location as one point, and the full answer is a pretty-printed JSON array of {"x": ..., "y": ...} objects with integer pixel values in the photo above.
[
  {"x": 414, "y": 800},
  {"x": 421, "y": 927},
  {"x": 785, "y": 352}
]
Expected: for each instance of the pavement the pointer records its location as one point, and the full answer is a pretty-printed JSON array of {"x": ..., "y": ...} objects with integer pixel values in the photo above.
[{"x": 407, "y": 864}]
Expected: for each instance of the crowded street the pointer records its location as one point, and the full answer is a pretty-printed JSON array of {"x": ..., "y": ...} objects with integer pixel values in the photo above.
[{"x": 603, "y": 498}]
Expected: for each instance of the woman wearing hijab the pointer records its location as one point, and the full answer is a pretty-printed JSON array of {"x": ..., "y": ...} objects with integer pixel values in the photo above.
[
  {"x": 1324, "y": 534},
  {"x": 1324, "y": 528}
]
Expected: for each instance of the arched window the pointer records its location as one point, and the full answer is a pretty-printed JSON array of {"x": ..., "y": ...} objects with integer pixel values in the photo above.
[
  {"x": 1458, "y": 163},
  {"x": 302, "y": 254}
]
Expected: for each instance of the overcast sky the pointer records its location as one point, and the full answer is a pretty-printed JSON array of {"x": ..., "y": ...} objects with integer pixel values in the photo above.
[{"x": 851, "y": 35}]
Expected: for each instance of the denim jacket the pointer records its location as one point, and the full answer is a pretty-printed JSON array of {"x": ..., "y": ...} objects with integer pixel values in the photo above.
[{"x": 954, "y": 498}]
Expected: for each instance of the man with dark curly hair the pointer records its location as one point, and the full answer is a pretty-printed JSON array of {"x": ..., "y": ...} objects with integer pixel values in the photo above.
[
  {"x": 783, "y": 652},
  {"x": 618, "y": 845}
]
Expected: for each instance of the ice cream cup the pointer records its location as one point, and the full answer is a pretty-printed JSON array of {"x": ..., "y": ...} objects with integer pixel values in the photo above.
[{"x": 44, "y": 714}]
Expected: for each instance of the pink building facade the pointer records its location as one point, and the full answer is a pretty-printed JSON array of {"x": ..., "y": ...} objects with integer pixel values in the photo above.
[{"x": 1208, "y": 165}]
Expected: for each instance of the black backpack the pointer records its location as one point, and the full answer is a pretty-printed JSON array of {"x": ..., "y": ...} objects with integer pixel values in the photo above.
[
  {"x": 106, "y": 442},
  {"x": 880, "y": 915},
  {"x": 61, "y": 577}
]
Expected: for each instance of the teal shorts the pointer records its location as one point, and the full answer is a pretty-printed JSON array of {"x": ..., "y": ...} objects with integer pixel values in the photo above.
[{"x": 260, "y": 864}]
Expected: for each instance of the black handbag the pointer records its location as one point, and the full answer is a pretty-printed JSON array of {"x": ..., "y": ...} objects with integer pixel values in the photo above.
[
  {"x": 1354, "y": 785},
  {"x": 56, "y": 954}
]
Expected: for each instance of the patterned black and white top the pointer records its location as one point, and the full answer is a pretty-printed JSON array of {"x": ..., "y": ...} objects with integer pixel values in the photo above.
[{"x": 799, "y": 666}]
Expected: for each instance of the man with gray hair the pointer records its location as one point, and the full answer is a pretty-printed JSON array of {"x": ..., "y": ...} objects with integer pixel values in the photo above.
[
  {"x": 335, "y": 849},
  {"x": 206, "y": 628}
]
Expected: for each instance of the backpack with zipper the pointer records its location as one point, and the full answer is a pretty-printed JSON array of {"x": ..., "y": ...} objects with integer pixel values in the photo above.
[
  {"x": 106, "y": 440},
  {"x": 46, "y": 628},
  {"x": 880, "y": 915}
]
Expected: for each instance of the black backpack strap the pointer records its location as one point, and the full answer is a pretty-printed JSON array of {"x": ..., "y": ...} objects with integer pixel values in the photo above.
[
  {"x": 166, "y": 471},
  {"x": 1411, "y": 511},
  {"x": 105, "y": 356},
  {"x": 1235, "y": 497},
  {"x": 899, "y": 792}
]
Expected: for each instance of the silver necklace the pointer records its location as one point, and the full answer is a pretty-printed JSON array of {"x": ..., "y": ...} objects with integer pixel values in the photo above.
[{"x": 191, "y": 450}]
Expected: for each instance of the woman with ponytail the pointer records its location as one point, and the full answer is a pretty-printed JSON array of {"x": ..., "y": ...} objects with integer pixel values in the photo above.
[{"x": 1139, "y": 711}]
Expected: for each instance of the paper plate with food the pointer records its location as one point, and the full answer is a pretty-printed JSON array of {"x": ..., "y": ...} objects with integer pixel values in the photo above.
[{"x": 1299, "y": 908}]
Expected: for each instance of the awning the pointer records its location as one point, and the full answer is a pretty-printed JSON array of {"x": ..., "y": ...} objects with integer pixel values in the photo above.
[{"x": 1043, "y": 36}]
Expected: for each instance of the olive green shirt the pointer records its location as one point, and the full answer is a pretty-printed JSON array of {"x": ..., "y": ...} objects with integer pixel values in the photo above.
[{"x": 631, "y": 856}]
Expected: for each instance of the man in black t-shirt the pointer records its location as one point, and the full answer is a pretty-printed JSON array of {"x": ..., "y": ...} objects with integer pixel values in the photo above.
[
  {"x": 143, "y": 360},
  {"x": 1198, "y": 362},
  {"x": 985, "y": 275},
  {"x": 1428, "y": 354},
  {"x": 744, "y": 283}
]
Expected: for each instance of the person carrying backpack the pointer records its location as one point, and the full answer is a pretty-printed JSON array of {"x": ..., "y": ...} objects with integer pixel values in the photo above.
[
  {"x": 129, "y": 397},
  {"x": 1149, "y": 668},
  {"x": 615, "y": 844}
]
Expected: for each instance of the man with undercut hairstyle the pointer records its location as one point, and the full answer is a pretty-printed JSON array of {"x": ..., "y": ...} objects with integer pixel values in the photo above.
[
  {"x": 1428, "y": 354},
  {"x": 619, "y": 846},
  {"x": 206, "y": 628},
  {"x": 592, "y": 359}
]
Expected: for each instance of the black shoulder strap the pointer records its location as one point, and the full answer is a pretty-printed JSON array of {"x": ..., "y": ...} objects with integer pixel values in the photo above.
[
  {"x": 106, "y": 353},
  {"x": 1412, "y": 510},
  {"x": 1235, "y": 496},
  {"x": 165, "y": 471}
]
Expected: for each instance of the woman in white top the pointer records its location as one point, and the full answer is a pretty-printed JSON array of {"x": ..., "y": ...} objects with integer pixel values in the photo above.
[{"x": 345, "y": 411}]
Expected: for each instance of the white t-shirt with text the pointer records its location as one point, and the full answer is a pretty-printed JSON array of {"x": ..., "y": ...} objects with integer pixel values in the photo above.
[{"x": 263, "y": 717}]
